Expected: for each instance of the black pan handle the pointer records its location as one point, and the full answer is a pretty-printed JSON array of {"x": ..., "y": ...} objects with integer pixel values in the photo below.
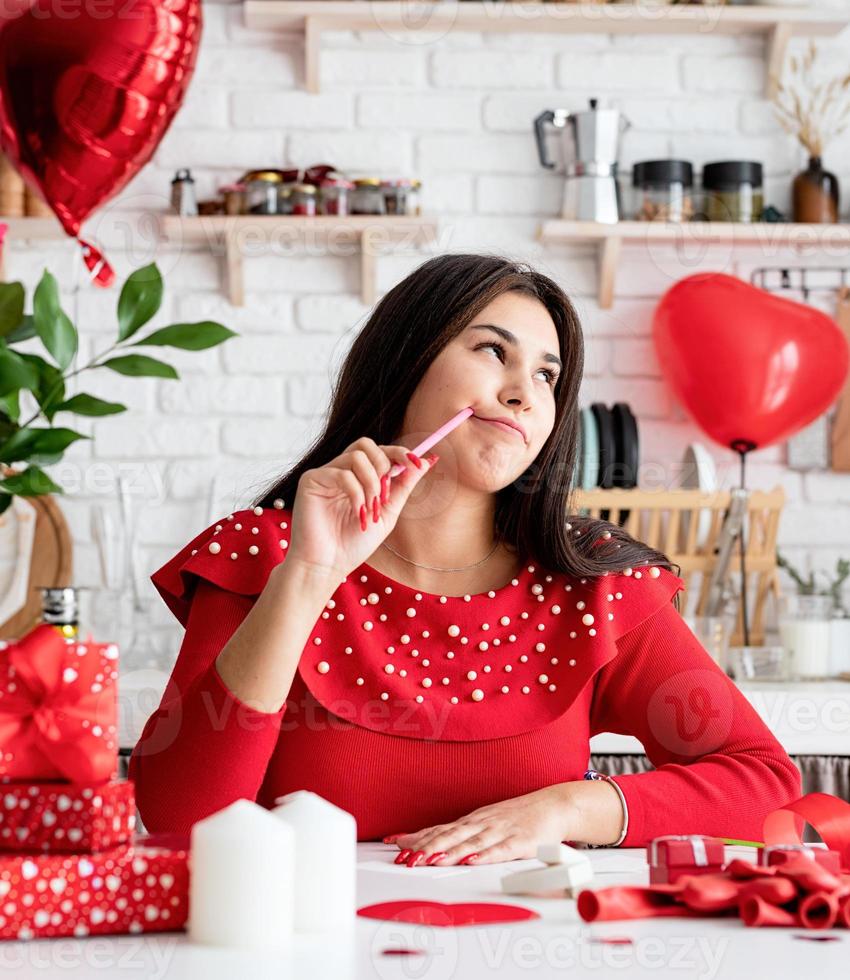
[{"x": 548, "y": 116}]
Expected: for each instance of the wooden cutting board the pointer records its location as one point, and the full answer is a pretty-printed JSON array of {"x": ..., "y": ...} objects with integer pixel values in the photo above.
[
  {"x": 840, "y": 437},
  {"x": 51, "y": 564}
]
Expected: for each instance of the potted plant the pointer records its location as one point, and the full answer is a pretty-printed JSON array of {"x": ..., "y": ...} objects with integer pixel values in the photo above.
[
  {"x": 814, "y": 113},
  {"x": 29, "y": 439},
  {"x": 34, "y": 396},
  {"x": 815, "y": 623}
]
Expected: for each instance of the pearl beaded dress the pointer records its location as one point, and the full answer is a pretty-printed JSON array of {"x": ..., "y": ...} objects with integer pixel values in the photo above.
[{"x": 410, "y": 709}]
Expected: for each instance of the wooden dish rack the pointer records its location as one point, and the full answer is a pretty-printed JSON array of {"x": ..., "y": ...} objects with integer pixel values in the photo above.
[{"x": 685, "y": 525}]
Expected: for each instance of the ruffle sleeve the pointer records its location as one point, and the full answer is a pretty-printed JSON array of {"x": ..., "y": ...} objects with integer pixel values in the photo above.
[{"x": 236, "y": 553}]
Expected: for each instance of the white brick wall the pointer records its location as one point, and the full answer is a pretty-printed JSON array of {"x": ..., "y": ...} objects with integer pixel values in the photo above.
[{"x": 454, "y": 108}]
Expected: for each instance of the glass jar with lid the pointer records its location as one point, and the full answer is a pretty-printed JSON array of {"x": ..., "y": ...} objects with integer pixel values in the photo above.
[
  {"x": 663, "y": 190},
  {"x": 397, "y": 195},
  {"x": 261, "y": 191},
  {"x": 733, "y": 191},
  {"x": 233, "y": 196},
  {"x": 335, "y": 194},
  {"x": 367, "y": 196},
  {"x": 303, "y": 198}
]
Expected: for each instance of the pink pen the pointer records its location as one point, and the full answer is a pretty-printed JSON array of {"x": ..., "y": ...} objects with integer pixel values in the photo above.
[{"x": 435, "y": 437}]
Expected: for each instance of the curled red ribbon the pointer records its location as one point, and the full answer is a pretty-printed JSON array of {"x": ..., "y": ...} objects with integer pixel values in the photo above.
[
  {"x": 57, "y": 717},
  {"x": 797, "y": 892},
  {"x": 102, "y": 273},
  {"x": 829, "y": 815}
]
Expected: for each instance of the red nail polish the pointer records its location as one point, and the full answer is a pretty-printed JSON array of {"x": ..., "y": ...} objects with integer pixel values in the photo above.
[
  {"x": 415, "y": 858},
  {"x": 374, "y": 510},
  {"x": 417, "y": 462},
  {"x": 385, "y": 488},
  {"x": 433, "y": 858},
  {"x": 403, "y": 855},
  {"x": 432, "y": 458},
  {"x": 468, "y": 858},
  {"x": 362, "y": 517}
]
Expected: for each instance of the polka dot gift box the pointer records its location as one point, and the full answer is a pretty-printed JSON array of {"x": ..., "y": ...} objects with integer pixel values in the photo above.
[
  {"x": 58, "y": 709},
  {"x": 141, "y": 887},
  {"x": 66, "y": 817}
]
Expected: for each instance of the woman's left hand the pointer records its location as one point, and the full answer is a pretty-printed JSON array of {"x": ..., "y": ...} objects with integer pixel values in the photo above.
[{"x": 505, "y": 831}]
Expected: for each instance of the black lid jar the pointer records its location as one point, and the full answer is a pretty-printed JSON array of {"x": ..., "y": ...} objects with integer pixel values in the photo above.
[
  {"x": 733, "y": 190},
  {"x": 663, "y": 190}
]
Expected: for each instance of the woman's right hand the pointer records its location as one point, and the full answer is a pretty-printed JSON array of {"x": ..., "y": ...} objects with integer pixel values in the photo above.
[{"x": 331, "y": 501}]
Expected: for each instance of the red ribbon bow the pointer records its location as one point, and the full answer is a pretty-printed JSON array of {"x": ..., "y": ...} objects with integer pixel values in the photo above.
[{"x": 57, "y": 719}]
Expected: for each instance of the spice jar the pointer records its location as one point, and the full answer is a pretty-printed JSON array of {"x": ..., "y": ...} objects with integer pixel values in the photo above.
[
  {"x": 733, "y": 191},
  {"x": 303, "y": 198},
  {"x": 663, "y": 190},
  {"x": 334, "y": 195},
  {"x": 262, "y": 191},
  {"x": 233, "y": 196},
  {"x": 367, "y": 197},
  {"x": 396, "y": 195}
]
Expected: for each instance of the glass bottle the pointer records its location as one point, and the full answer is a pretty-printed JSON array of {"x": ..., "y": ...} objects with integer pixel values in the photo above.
[
  {"x": 60, "y": 608},
  {"x": 815, "y": 194}
]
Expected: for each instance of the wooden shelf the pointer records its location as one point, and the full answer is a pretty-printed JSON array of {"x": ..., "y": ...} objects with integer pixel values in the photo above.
[
  {"x": 234, "y": 236},
  {"x": 26, "y": 229},
  {"x": 313, "y": 17},
  {"x": 609, "y": 239}
]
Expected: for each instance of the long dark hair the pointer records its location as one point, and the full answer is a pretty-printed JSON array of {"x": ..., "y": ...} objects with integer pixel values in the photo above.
[{"x": 408, "y": 328}]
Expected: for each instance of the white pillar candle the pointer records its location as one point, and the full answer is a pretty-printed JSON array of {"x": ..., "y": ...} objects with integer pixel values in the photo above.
[
  {"x": 325, "y": 861},
  {"x": 241, "y": 879}
]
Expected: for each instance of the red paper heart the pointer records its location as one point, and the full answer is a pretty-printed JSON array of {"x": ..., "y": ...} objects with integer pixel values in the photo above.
[
  {"x": 427, "y": 913},
  {"x": 746, "y": 364}
]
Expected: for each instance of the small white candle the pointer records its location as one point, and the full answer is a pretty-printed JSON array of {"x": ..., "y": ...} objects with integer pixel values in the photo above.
[
  {"x": 325, "y": 861},
  {"x": 241, "y": 879}
]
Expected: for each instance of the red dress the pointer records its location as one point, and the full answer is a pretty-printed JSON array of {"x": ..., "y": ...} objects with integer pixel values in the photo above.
[{"x": 410, "y": 709}]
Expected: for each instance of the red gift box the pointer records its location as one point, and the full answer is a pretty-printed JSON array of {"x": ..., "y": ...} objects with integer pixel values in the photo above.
[
  {"x": 58, "y": 709},
  {"x": 673, "y": 856},
  {"x": 780, "y": 853},
  {"x": 128, "y": 889},
  {"x": 66, "y": 817}
]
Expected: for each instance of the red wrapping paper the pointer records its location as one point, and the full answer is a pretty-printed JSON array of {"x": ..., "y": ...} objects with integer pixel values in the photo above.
[
  {"x": 780, "y": 853},
  {"x": 66, "y": 817},
  {"x": 58, "y": 709},
  {"x": 128, "y": 889},
  {"x": 671, "y": 858},
  {"x": 799, "y": 891}
]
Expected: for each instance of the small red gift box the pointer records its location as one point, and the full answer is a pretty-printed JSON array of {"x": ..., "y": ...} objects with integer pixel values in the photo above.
[
  {"x": 66, "y": 817},
  {"x": 780, "y": 853},
  {"x": 672, "y": 857},
  {"x": 58, "y": 708},
  {"x": 128, "y": 889}
]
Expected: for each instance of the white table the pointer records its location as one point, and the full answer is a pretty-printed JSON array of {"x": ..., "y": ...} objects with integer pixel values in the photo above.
[{"x": 543, "y": 948}]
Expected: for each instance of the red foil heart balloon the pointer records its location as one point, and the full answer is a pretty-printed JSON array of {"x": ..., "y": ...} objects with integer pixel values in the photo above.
[
  {"x": 87, "y": 91},
  {"x": 750, "y": 367},
  {"x": 444, "y": 914}
]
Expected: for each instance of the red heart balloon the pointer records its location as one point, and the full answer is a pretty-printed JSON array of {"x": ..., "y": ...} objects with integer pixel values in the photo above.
[
  {"x": 87, "y": 91},
  {"x": 447, "y": 914},
  {"x": 750, "y": 367}
]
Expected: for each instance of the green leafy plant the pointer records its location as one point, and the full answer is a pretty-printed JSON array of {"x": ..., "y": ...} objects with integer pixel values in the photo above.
[
  {"x": 30, "y": 441},
  {"x": 809, "y": 585}
]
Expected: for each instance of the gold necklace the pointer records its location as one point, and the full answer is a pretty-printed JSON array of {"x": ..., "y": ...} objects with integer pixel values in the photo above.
[{"x": 435, "y": 568}]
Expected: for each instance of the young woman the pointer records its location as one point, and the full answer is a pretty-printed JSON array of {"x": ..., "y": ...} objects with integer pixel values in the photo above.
[{"x": 432, "y": 652}]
